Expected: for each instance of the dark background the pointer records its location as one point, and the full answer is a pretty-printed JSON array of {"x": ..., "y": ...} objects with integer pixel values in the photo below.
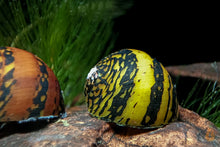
[{"x": 175, "y": 33}]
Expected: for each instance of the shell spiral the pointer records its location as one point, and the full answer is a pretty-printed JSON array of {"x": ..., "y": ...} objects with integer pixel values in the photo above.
[
  {"x": 130, "y": 88},
  {"x": 29, "y": 90}
]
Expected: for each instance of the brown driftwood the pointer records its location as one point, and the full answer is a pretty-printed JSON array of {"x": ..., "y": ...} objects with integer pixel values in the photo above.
[
  {"x": 79, "y": 129},
  {"x": 207, "y": 71}
]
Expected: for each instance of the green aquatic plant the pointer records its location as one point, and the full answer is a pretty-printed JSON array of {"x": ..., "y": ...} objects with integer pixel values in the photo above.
[
  {"x": 70, "y": 36},
  {"x": 204, "y": 99}
]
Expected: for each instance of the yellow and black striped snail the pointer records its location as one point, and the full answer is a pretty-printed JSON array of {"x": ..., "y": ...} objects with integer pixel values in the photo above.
[{"x": 131, "y": 89}]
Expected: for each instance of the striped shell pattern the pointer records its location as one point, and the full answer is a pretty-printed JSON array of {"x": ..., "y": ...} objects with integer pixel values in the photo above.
[
  {"x": 29, "y": 89},
  {"x": 130, "y": 88}
]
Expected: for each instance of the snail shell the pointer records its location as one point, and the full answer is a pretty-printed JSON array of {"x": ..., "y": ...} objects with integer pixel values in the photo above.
[
  {"x": 130, "y": 88},
  {"x": 29, "y": 89}
]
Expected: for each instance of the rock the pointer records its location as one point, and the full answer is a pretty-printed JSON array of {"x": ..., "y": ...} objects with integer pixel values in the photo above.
[{"x": 79, "y": 129}]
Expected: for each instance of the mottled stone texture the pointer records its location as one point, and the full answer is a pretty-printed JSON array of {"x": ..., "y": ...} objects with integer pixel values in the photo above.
[{"x": 79, "y": 129}]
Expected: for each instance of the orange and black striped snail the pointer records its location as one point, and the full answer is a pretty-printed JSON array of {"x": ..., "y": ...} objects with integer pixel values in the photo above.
[
  {"x": 132, "y": 89},
  {"x": 29, "y": 90}
]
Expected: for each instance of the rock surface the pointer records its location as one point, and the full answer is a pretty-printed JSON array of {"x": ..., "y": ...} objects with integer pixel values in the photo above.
[{"x": 79, "y": 129}]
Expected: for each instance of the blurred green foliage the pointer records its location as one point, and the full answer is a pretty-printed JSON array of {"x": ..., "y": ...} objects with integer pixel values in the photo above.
[
  {"x": 69, "y": 35},
  {"x": 205, "y": 102},
  {"x": 208, "y": 105}
]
